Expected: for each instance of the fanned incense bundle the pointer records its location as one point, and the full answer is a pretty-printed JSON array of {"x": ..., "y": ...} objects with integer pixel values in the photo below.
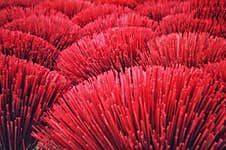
[{"x": 112, "y": 74}]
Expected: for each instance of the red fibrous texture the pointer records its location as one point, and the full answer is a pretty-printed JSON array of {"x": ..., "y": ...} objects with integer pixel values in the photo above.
[
  {"x": 22, "y": 3},
  {"x": 68, "y": 7},
  {"x": 58, "y": 31},
  {"x": 12, "y": 13},
  {"x": 29, "y": 47},
  {"x": 216, "y": 13},
  {"x": 119, "y": 20},
  {"x": 90, "y": 14},
  {"x": 157, "y": 11},
  {"x": 174, "y": 100},
  {"x": 172, "y": 108},
  {"x": 130, "y": 3},
  {"x": 217, "y": 70},
  {"x": 204, "y": 3},
  {"x": 117, "y": 49},
  {"x": 9, "y": 14},
  {"x": 26, "y": 91},
  {"x": 185, "y": 23},
  {"x": 190, "y": 49}
]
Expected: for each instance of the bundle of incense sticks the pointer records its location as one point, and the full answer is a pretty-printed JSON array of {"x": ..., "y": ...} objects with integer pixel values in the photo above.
[{"x": 112, "y": 74}]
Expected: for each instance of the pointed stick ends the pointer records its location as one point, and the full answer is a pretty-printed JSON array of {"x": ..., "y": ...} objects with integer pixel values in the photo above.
[
  {"x": 175, "y": 108},
  {"x": 28, "y": 47},
  {"x": 26, "y": 91}
]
